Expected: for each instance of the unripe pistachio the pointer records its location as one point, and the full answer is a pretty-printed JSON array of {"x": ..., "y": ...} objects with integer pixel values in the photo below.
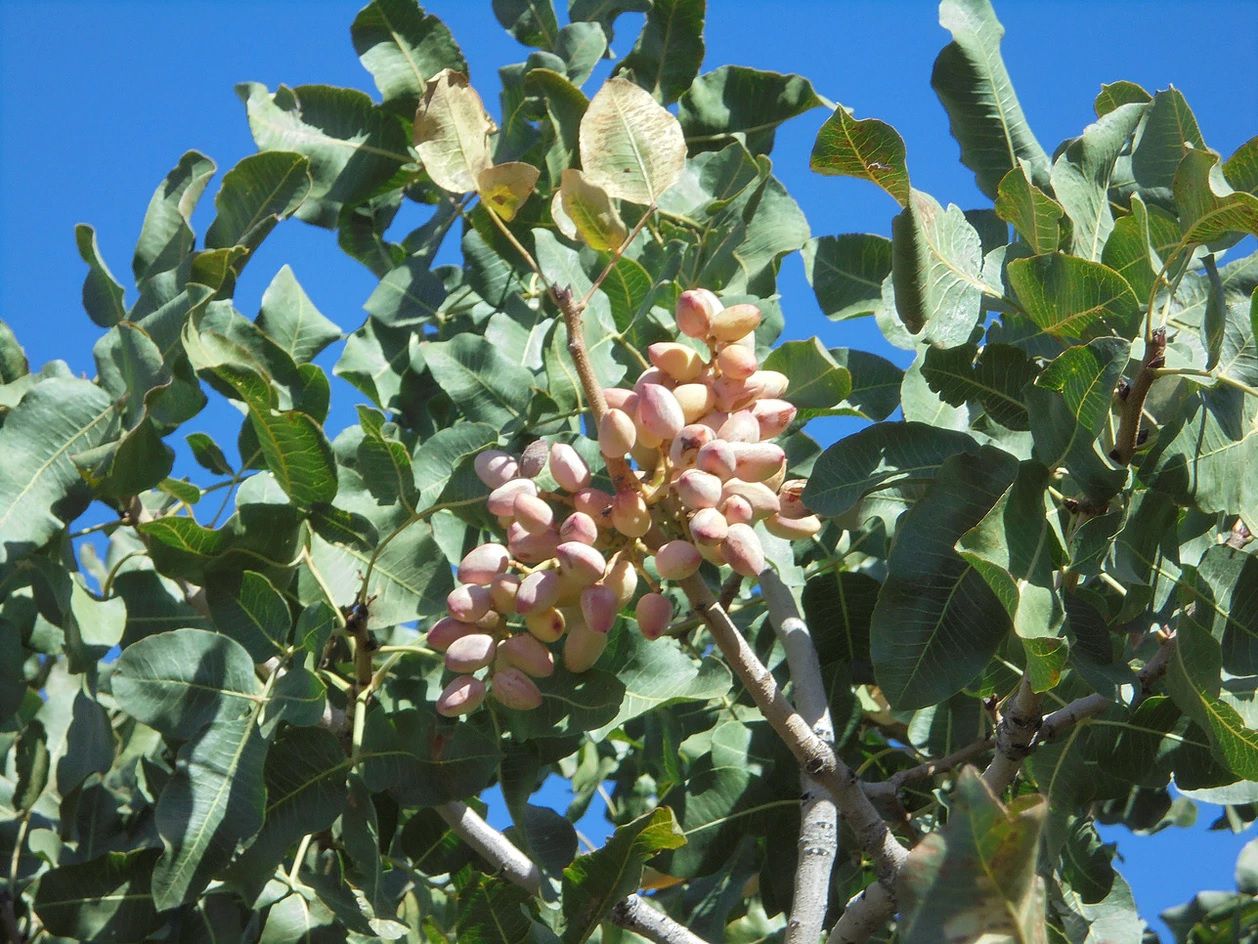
[
  {"x": 659, "y": 412},
  {"x": 756, "y": 462},
  {"x": 622, "y": 579},
  {"x": 582, "y": 647},
  {"x": 652, "y": 375},
  {"x": 730, "y": 394},
  {"x": 533, "y": 514},
  {"x": 684, "y": 450},
  {"x": 737, "y": 510},
  {"x": 530, "y": 548},
  {"x": 735, "y": 322},
  {"x": 698, "y": 489},
  {"x": 469, "y": 602},
  {"x": 762, "y": 499},
  {"x": 445, "y": 631},
  {"x": 567, "y": 468},
  {"x": 708, "y": 526},
  {"x": 528, "y": 655},
  {"x": 502, "y": 499},
  {"x": 791, "y": 498},
  {"x": 683, "y": 364},
  {"x": 579, "y": 526},
  {"x": 737, "y": 362},
  {"x": 654, "y": 612},
  {"x": 713, "y": 554},
  {"x": 741, "y": 426},
  {"x": 515, "y": 690},
  {"x": 616, "y": 433},
  {"x": 713, "y": 420},
  {"x": 592, "y": 501},
  {"x": 743, "y": 550},
  {"x": 495, "y": 467},
  {"x": 620, "y": 398},
  {"x": 462, "y": 696},
  {"x": 767, "y": 384},
  {"x": 580, "y": 561},
  {"x": 774, "y": 481},
  {"x": 630, "y": 515},
  {"x": 695, "y": 310},
  {"x": 538, "y": 591},
  {"x": 677, "y": 560},
  {"x": 570, "y": 587},
  {"x": 483, "y": 563},
  {"x": 717, "y": 458},
  {"x": 546, "y": 625},
  {"x": 502, "y": 591},
  {"x": 646, "y": 457},
  {"x": 471, "y": 652},
  {"x": 599, "y": 607},
  {"x": 792, "y": 529},
  {"x": 773, "y": 416},
  {"x": 695, "y": 400},
  {"x": 491, "y": 622}
]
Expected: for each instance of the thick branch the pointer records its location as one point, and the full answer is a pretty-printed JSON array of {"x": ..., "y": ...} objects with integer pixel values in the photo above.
[
  {"x": 814, "y": 755},
  {"x": 1128, "y": 436},
  {"x": 493, "y": 846},
  {"x": 818, "y": 818},
  {"x": 866, "y": 914},
  {"x": 634, "y": 914},
  {"x": 1019, "y": 723}
]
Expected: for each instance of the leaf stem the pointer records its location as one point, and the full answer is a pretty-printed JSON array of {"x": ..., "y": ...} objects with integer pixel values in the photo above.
[{"x": 616, "y": 256}]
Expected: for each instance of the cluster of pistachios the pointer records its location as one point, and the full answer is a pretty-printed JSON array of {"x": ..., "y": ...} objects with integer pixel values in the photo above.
[{"x": 688, "y": 448}]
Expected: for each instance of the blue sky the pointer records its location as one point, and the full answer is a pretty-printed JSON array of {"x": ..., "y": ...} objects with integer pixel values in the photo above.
[{"x": 99, "y": 99}]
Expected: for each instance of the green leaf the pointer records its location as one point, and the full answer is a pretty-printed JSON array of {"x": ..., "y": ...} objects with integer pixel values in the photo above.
[
  {"x": 452, "y": 132},
  {"x": 1169, "y": 132},
  {"x": 591, "y": 212},
  {"x": 976, "y": 876},
  {"x": 493, "y": 911},
  {"x": 256, "y": 194},
  {"x": 1193, "y": 680},
  {"x": 305, "y": 792},
  {"x": 59, "y": 418},
  {"x": 439, "y": 457},
  {"x": 1138, "y": 244},
  {"x": 738, "y": 102},
  {"x": 994, "y": 378},
  {"x": 881, "y": 456},
  {"x": 13, "y": 362},
  {"x": 630, "y": 147},
  {"x": 937, "y": 271},
  {"x": 1072, "y": 298},
  {"x": 353, "y": 146},
  {"x": 669, "y": 50},
  {"x": 102, "y": 295},
  {"x": 89, "y": 747},
  {"x": 532, "y": 22},
  {"x": 838, "y": 607},
  {"x": 875, "y": 382},
  {"x": 937, "y": 622},
  {"x": 1224, "y": 604},
  {"x": 597, "y": 881},
  {"x": 31, "y": 763},
  {"x": 1082, "y": 174},
  {"x": 183, "y": 680},
  {"x": 485, "y": 386},
  {"x": 263, "y": 537},
  {"x": 384, "y": 463},
  {"x": 105, "y": 900},
  {"x": 1115, "y": 94},
  {"x": 403, "y": 47},
  {"x": 408, "y": 295},
  {"x": 869, "y": 149},
  {"x": 1241, "y": 169},
  {"x": 972, "y": 83},
  {"x": 1205, "y": 215},
  {"x": 248, "y": 609},
  {"x": 214, "y": 800},
  {"x": 846, "y": 273},
  {"x": 166, "y": 237},
  {"x": 425, "y": 760},
  {"x": 1035, "y": 215},
  {"x": 290, "y": 319},
  {"x": 817, "y": 382}
]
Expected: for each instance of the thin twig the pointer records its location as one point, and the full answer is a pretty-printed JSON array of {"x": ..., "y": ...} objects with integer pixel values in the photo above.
[
  {"x": 886, "y": 789},
  {"x": 634, "y": 914},
  {"x": 818, "y": 817},
  {"x": 615, "y": 256}
]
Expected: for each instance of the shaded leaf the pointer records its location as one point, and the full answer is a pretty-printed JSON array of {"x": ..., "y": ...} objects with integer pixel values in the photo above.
[
  {"x": 403, "y": 47},
  {"x": 736, "y": 101},
  {"x": 847, "y": 272},
  {"x": 669, "y": 50}
]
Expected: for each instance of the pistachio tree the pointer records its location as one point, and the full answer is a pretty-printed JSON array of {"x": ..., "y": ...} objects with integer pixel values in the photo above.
[{"x": 880, "y": 688}]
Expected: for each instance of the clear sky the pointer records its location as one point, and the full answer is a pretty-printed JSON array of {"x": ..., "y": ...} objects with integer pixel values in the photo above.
[{"x": 99, "y": 99}]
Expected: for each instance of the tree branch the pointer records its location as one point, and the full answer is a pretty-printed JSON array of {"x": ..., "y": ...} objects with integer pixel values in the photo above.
[
  {"x": 634, "y": 914},
  {"x": 1015, "y": 733},
  {"x": 818, "y": 818},
  {"x": 1128, "y": 436},
  {"x": 493, "y": 846},
  {"x": 889, "y": 788},
  {"x": 867, "y": 913}
]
